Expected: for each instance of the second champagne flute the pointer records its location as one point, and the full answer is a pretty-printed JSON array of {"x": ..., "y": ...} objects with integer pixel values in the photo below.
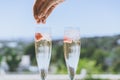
[
  {"x": 43, "y": 45},
  {"x": 71, "y": 49}
]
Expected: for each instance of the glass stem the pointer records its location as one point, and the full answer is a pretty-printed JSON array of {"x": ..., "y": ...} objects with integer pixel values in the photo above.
[
  {"x": 43, "y": 74},
  {"x": 71, "y": 77},
  {"x": 71, "y": 73}
]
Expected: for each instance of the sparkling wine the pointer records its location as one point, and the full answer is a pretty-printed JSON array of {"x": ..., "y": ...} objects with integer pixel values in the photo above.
[
  {"x": 71, "y": 49},
  {"x": 72, "y": 53},
  {"x": 43, "y": 53}
]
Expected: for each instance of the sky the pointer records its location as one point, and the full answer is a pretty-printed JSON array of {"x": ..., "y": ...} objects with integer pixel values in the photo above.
[{"x": 93, "y": 17}]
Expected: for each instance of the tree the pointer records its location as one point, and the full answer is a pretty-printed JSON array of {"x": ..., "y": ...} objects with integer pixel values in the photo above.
[
  {"x": 88, "y": 46},
  {"x": 30, "y": 50},
  {"x": 116, "y": 59},
  {"x": 13, "y": 59},
  {"x": 0, "y": 59},
  {"x": 100, "y": 57},
  {"x": 58, "y": 58}
]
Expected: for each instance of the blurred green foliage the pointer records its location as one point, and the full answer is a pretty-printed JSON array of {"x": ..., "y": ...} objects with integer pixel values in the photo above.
[
  {"x": 30, "y": 50},
  {"x": 57, "y": 58},
  {"x": 116, "y": 59},
  {"x": 0, "y": 58},
  {"x": 98, "y": 54},
  {"x": 12, "y": 59},
  {"x": 89, "y": 65}
]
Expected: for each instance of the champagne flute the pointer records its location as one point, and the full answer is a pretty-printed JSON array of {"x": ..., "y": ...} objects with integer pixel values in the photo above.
[
  {"x": 43, "y": 45},
  {"x": 71, "y": 49}
]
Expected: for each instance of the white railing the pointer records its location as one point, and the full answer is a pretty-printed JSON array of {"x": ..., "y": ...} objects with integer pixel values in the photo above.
[{"x": 56, "y": 77}]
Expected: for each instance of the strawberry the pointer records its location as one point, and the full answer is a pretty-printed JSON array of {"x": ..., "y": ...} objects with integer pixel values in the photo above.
[
  {"x": 38, "y": 36},
  {"x": 67, "y": 40}
]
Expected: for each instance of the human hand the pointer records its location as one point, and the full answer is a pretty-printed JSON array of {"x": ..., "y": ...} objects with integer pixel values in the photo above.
[{"x": 43, "y": 8}]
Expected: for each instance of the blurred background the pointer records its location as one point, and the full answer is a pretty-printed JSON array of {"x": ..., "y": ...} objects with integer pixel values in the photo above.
[{"x": 99, "y": 22}]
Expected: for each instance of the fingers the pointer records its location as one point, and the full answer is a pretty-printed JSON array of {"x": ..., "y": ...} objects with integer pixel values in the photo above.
[
  {"x": 41, "y": 20},
  {"x": 40, "y": 4},
  {"x": 36, "y": 7},
  {"x": 43, "y": 8},
  {"x": 47, "y": 6},
  {"x": 35, "y": 11},
  {"x": 48, "y": 13},
  {"x": 38, "y": 21}
]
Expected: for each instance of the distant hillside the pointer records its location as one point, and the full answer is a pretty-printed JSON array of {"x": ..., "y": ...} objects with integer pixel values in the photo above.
[
  {"x": 97, "y": 55},
  {"x": 103, "y": 51},
  {"x": 106, "y": 42}
]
